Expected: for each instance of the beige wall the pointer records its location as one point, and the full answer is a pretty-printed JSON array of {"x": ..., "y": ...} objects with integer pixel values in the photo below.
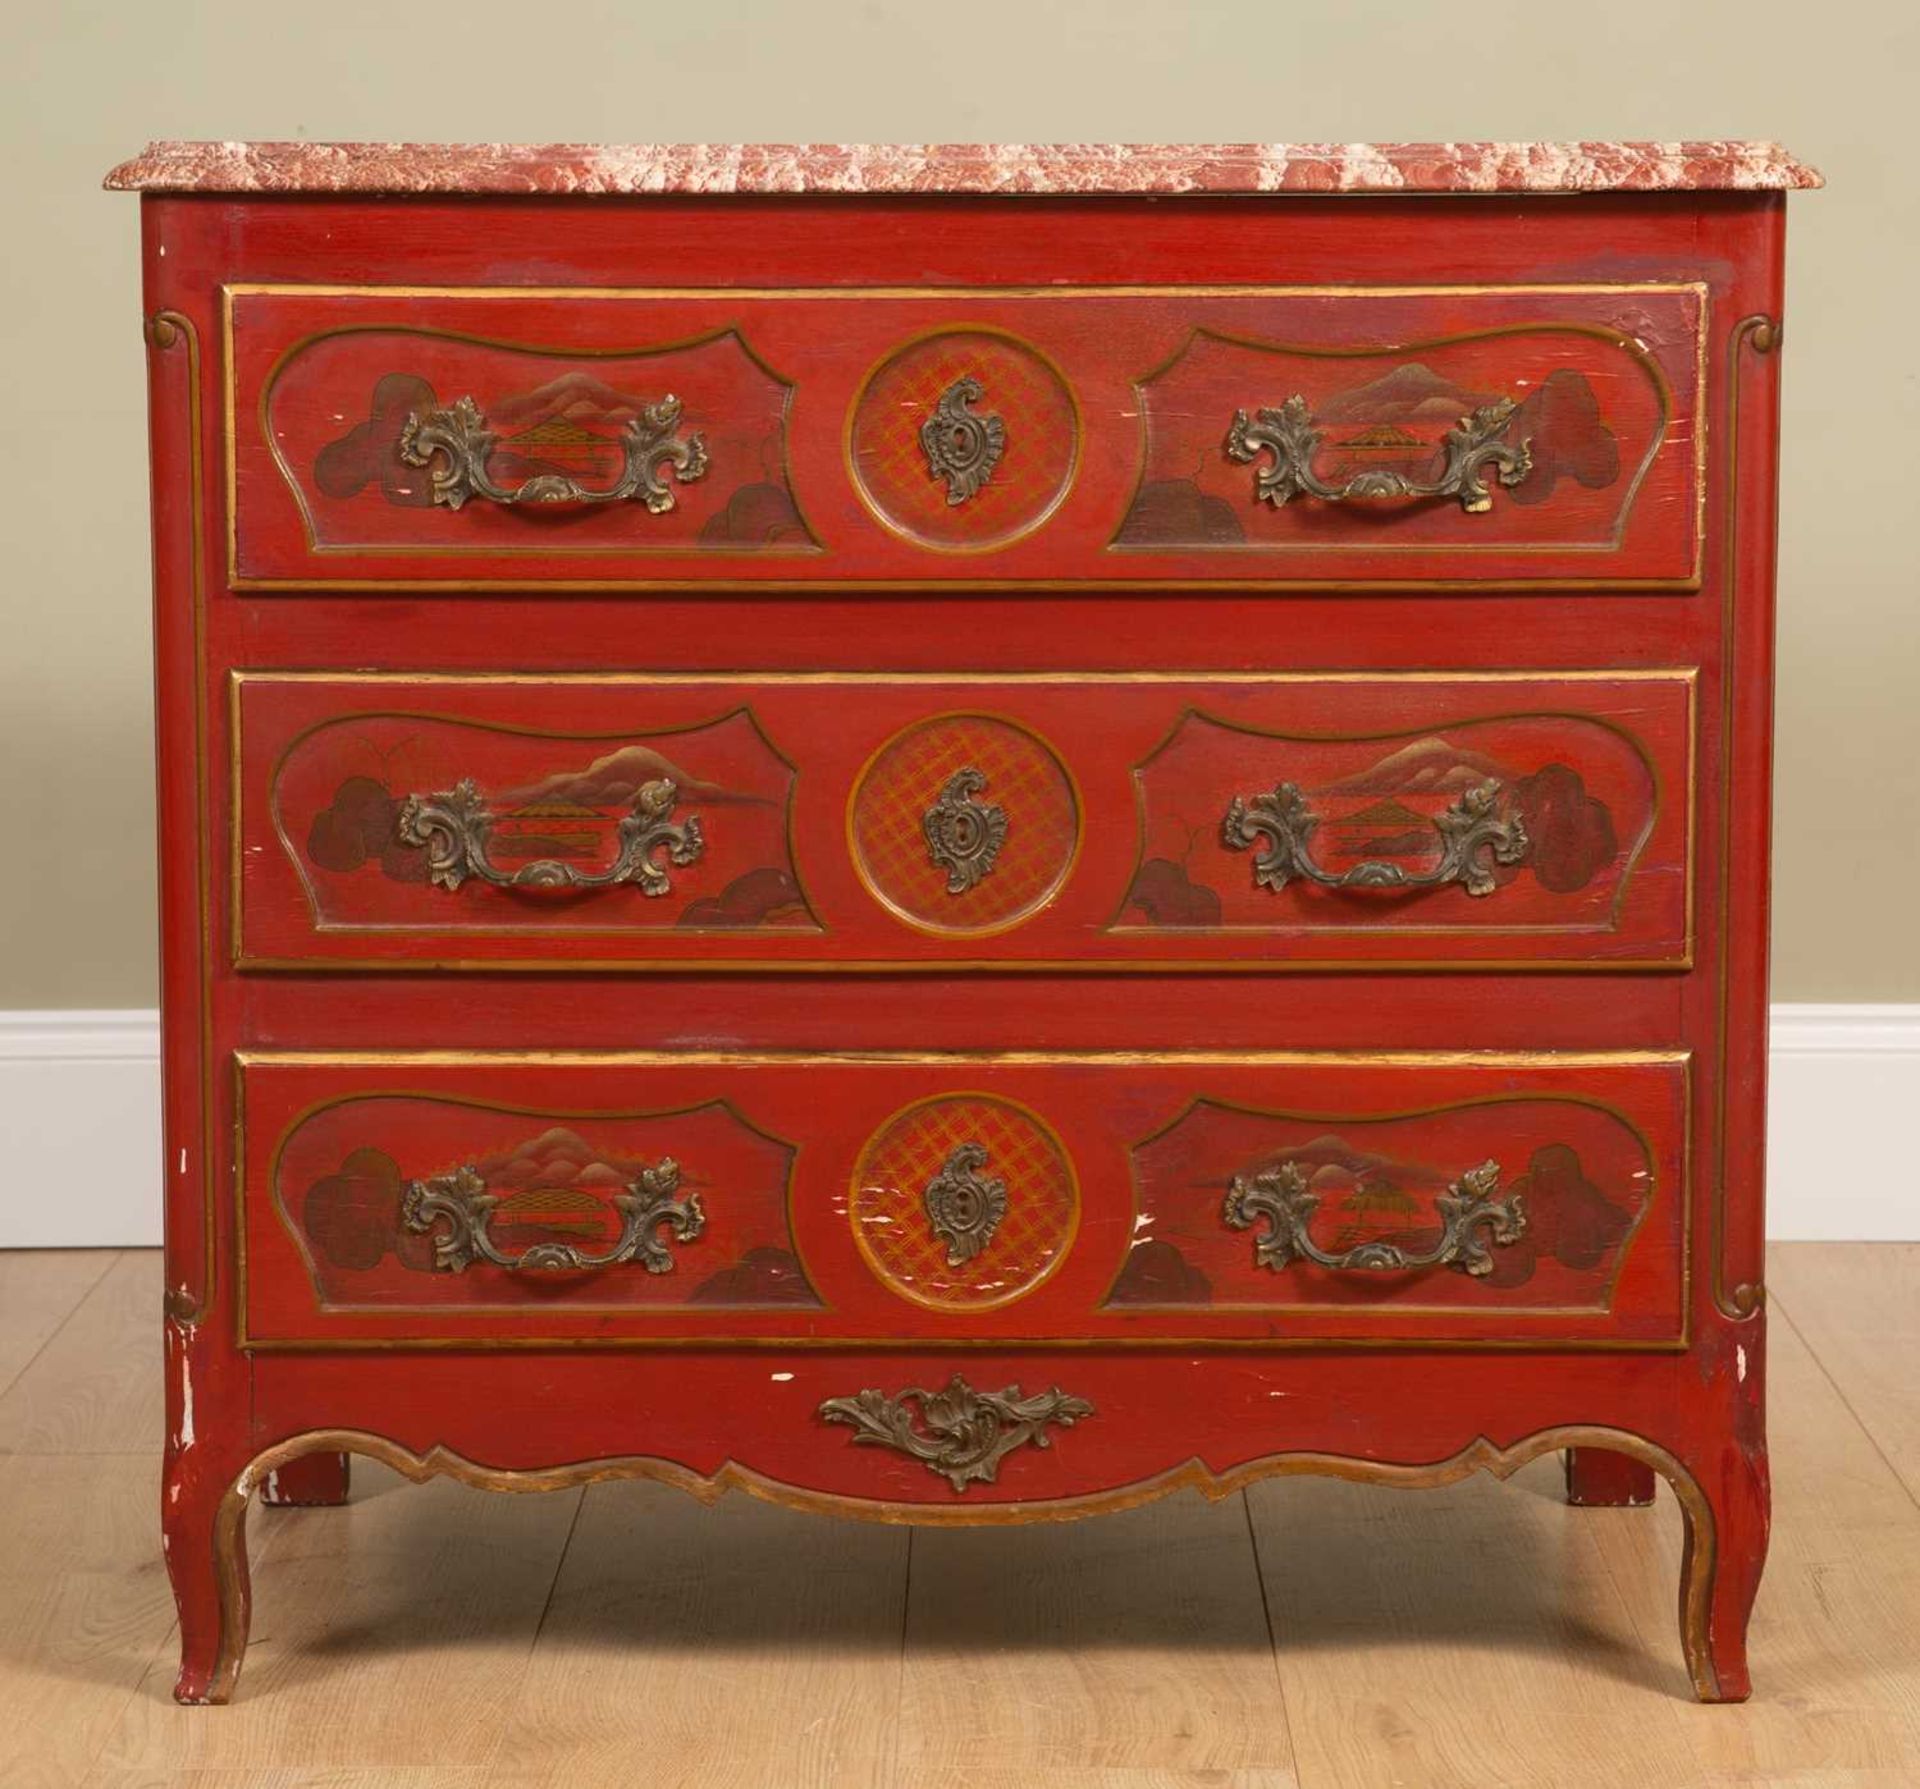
[{"x": 89, "y": 82}]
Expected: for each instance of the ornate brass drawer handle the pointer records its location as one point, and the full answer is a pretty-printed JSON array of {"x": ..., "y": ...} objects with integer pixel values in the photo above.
[
  {"x": 456, "y": 824},
  {"x": 965, "y": 1433},
  {"x": 460, "y": 434},
  {"x": 461, "y": 1202},
  {"x": 1288, "y": 433},
  {"x": 961, "y": 447},
  {"x": 964, "y": 1206},
  {"x": 1472, "y": 832},
  {"x": 964, "y": 836},
  {"x": 1467, "y": 1207}
]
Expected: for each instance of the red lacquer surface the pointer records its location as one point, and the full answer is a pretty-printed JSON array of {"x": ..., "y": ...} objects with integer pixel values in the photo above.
[
  {"x": 1115, "y": 1176},
  {"x": 686, "y": 1409},
  {"x": 1114, "y": 409},
  {"x": 812, "y": 794}
]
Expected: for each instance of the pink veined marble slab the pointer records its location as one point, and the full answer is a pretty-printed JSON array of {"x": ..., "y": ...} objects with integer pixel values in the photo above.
[{"x": 1004, "y": 168}]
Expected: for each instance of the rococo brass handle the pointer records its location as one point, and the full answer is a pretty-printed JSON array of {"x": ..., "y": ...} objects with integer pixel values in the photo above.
[
  {"x": 460, "y": 434},
  {"x": 1289, "y": 434},
  {"x": 964, "y": 836},
  {"x": 1471, "y": 831},
  {"x": 461, "y": 1202},
  {"x": 1467, "y": 1207},
  {"x": 962, "y": 1434},
  {"x": 456, "y": 824}
]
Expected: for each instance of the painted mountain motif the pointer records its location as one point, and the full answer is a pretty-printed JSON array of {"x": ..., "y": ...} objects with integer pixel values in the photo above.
[
  {"x": 1410, "y": 394},
  {"x": 1397, "y": 421},
  {"x": 570, "y": 424},
  {"x": 1394, "y": 423},
  {"x": 553, "y": 1188},
  {"x": 442, "y": 1204},
  {"x": 1578, "y": 1177},
  {"x": 342, "y": 409},
  {"x": 569, "y": 815},
  {"x": 1576, "y": 419},
  {"x": 450, "y": 818},
  {"x": 569, "y": 427},
  {"x": 1532, "y": 820},
  {"x": 1423, "y": 766}
]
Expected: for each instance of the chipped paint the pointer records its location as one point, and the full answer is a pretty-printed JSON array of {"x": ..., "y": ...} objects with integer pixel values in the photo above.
[
  {"x": 1740, "y": 1362},
  {"x": 179, "y": 1358}
]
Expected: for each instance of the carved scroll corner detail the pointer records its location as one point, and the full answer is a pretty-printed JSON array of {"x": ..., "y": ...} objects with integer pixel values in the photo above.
[
  {"x": 960, "y": 1434},
  {"x": 178, "y": 1306}
]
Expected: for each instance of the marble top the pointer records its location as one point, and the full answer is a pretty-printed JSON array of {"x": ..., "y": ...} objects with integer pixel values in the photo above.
[{"x": 977, "y": 168}]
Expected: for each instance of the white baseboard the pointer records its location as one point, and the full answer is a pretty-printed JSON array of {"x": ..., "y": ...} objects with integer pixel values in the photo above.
[
  {"x": 80, "y": 1120},
  {"x": 1844, "y": 1079}
]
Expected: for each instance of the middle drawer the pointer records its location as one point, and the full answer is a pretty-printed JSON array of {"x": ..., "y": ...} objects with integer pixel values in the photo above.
[{"x": 835, "y": 821}]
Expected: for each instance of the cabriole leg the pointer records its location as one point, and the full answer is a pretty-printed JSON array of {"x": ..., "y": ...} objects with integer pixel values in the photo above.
[
  {"x": 1725, "y": 1558},
  {"x": 204, "y": 1535},
  {"x": 313, "y": 1481},
  {"x": 1598, "y": 1478}
]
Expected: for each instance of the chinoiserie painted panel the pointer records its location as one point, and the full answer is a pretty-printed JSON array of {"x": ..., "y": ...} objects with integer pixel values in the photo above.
[
  {"x": 804, "y": 822},
  {"x": 400, "y": 1202},
  {"x": 1514, "y": 434},
  {"x": 1538, "y": 1198},
  {"x": 428, "y": 816},
  {"x": 814, "y": 1198}
]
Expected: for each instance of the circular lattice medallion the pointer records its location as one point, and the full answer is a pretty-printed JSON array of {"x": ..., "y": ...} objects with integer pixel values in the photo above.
[
  {"x": 965, "y": 824},
  {"x": 964, "y": 441},
  {"x": 964, "y": 1202}
]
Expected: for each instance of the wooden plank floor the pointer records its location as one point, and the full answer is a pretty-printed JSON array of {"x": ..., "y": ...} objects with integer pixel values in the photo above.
[{"x": 1311, "y": 1635}]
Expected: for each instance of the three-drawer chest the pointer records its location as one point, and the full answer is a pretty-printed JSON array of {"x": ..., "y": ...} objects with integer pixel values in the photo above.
[{"x": 963, "y": 835}]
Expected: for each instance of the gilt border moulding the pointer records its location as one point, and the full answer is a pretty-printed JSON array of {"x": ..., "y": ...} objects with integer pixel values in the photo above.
[{"x": 983, "y": 168}]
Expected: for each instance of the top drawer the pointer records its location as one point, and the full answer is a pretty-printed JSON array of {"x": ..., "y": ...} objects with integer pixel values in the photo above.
[{"x": 1498, "y": 437}]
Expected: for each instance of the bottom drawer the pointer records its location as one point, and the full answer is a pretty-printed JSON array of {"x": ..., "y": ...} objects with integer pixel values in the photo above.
[
  {"x": 893, "y": 1433},
  {"x": 1155, "y": 1200}
]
